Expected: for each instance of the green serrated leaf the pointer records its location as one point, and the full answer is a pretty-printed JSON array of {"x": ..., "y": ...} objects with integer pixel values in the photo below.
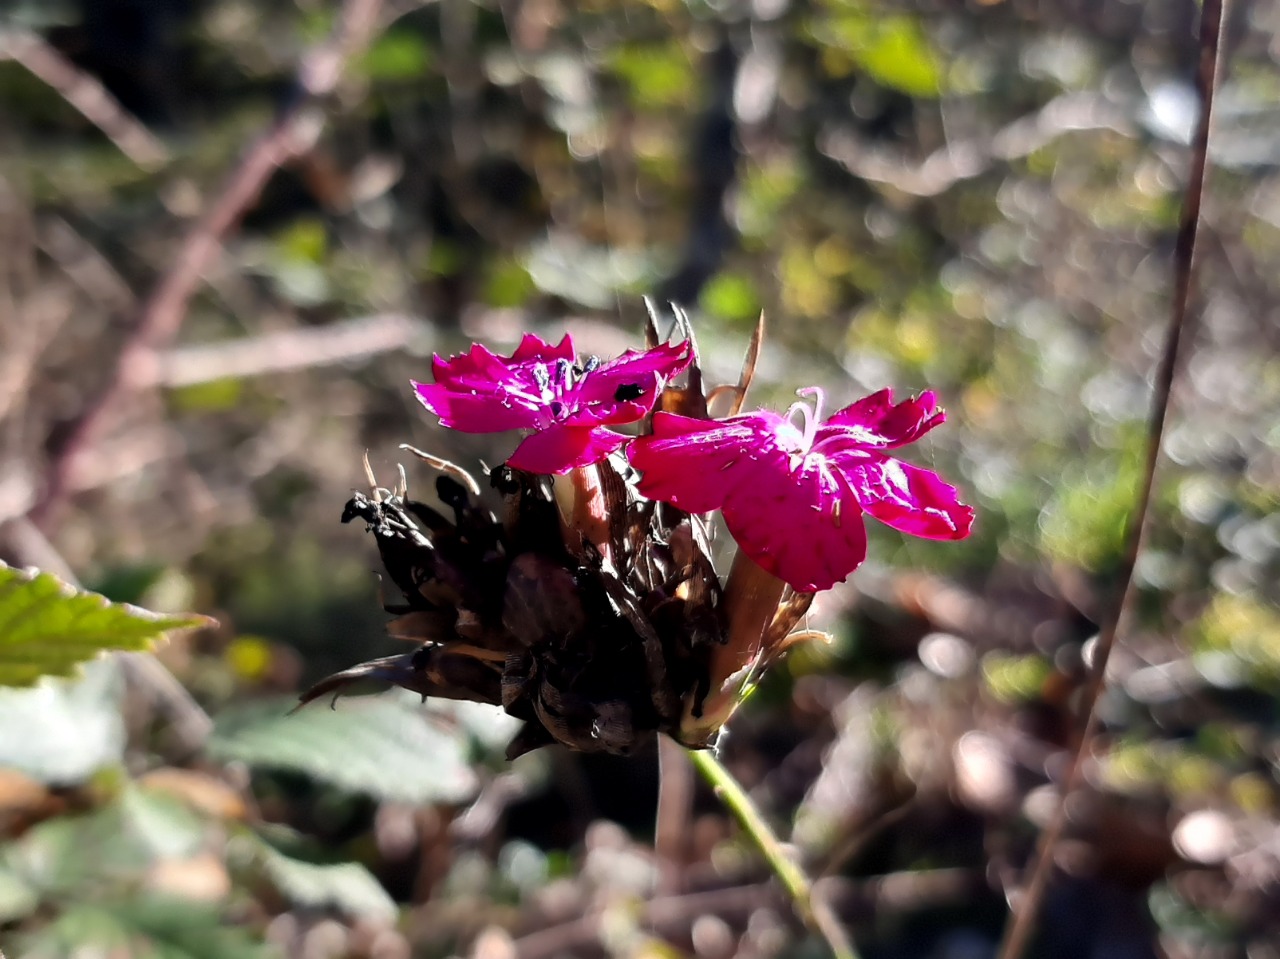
[
  {"x": 382, "y": 746},
  {"x": 48, "y": 628},
  {"x": 347, "y": 887}
]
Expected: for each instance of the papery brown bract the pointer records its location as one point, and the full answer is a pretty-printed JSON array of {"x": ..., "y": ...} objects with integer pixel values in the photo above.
[{"x": 597, "y": 656}]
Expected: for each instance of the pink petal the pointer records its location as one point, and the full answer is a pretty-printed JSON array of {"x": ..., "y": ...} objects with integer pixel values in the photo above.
[
  {"x": 792, "y": 523},
  {"x": 490, "y": 411},
  {"x": 908, "y": 498},
  {"x": 475, "y": 368},
  {"x": 693, "y": 464},
  {"x": 882, "y": 424},
  {"x": 535, "y": 348},
  {"x": 625, "y": 389},
  {"x": 559, "y": 448},
  {"x": 665, "y": 360},
  {"x": 795, "y": 526},
  {"x": 482, "y": 370}
]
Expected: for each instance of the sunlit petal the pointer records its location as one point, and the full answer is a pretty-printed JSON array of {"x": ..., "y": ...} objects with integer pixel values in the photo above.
[
  {"x": 883, "y": 424},
  {"x": 558, "y": 449},
  {"x": 908, "y": 498}
]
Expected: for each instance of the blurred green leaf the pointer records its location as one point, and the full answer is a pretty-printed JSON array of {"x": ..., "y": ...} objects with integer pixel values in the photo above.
[
  {"x": 127, "y": 583},
  {"x": 348, "y": 887},
  {"x": 508, "y": 284},
  {"x": 48, "y": 628},
  {"x": 17, "y": 898},
  {"x": 300, "y": 282},
  {"x": 69, "y": 729},
  {"x": 1245, "y": 628},
  {"x": 145, "y": 928},
  {"x": 210, "y": 397},
  {"x": 765, "y": 191},
  {"x": 50, "y": 859},
  {"x": 1015, "y": 679},
  {"x": 1085, "y": 522},
  {"x": 396, "y": 55},
  {"x": 442, "y": 259},
  {"x": 732, "y": 296},
  {"x": 1195, "y": 925},
  {"x": 64, "y": 858},
  {"x": 305, "y": 239},
  {"x": 893, "y": 50},
  {"x": 658, "y": 74},
  {"x": 161, "y": 824},
  {"x": 382, "y": 746}
]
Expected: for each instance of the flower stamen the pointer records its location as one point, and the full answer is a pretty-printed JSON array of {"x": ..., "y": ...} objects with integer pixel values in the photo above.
[{"x": 810, "y": 416}]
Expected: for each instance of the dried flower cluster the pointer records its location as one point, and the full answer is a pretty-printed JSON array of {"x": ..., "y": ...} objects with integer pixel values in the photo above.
[{"x": 588, "y": 605}]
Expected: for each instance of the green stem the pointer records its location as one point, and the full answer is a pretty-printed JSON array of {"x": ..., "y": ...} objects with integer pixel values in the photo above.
[{"x": 815, "y": 915}]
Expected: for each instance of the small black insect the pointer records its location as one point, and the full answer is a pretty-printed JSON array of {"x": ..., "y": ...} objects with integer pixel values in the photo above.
[{"x": 628, "y": 391}]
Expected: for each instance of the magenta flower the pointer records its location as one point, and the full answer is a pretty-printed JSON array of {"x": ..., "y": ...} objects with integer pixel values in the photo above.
[
  {"x": 793, "y": 497},
  {"x": 543, "y": 388}
]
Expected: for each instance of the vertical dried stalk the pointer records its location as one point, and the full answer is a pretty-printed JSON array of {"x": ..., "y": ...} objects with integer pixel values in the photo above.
[{"x": 1212, "y": 18}]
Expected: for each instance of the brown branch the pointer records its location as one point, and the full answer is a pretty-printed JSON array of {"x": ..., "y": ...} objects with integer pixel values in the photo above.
[
  {"x": 969, "y": 158},
  {"x": 1019, "y": 930},
  {"x": 16, "y": 494},
  {"x": 291, "y": 134},
  {"x": 84, "y": 265},
  {"x": 86, "y": 94},
  {"x": 286, "y": 350},
  {"x": 672, "y": 828}
]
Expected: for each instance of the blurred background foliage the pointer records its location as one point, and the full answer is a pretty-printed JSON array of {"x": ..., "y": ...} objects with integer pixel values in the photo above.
[{"x": 974, "y": 197}]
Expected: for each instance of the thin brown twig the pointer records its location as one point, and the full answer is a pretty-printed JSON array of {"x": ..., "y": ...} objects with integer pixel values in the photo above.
[
  {"x": 1212, "y": 18},
  {"x": 292, "y": 133},
  {"x": 84, "y": 265},
  {"x": 671, "y": 832},
  {"x": 86, "y": 94}
]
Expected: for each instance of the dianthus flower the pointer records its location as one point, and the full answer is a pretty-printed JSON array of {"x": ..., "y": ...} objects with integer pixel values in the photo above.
[
  {"x": 544, "y": 388},
  {"x": 793, "y": 496}
]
